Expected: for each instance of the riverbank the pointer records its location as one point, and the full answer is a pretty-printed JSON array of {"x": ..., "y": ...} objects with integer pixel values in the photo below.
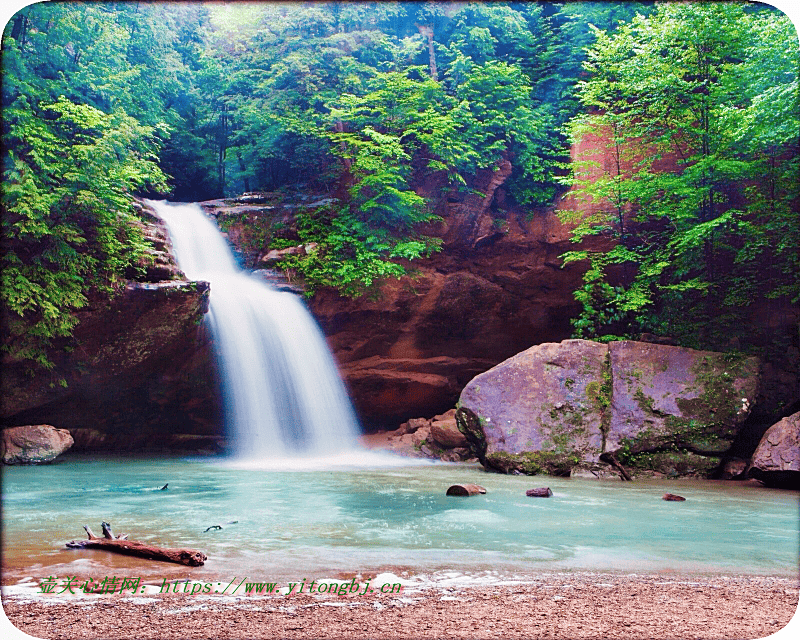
[{"x": 572, "y": 606}]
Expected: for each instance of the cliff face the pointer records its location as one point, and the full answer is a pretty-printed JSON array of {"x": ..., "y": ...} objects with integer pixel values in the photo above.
[
  {"x": 410, "y": 349},
  {"x": 497, "y": 287},
  {"x": 137, "y": 370}
]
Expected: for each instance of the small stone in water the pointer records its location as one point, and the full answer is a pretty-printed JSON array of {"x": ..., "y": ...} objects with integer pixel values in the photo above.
[{"x": 540, "y": 492}]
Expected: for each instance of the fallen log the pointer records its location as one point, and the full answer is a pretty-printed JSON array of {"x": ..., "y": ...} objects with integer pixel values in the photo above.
[
  {"x": 120, "y": 544},
  {"x": 539, "y": 492},
  {"x": 609, "y": 458},
  {"x": 465, "y": 490}
]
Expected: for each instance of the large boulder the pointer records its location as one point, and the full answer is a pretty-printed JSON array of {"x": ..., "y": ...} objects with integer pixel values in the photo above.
[
  {"x": 540, "y": 410},
  {"x": 560, "y": 406},
  {"x": 776, "y": 460},
  {"x": 670, "y": 397},
  {"x": 33, "y": 444}
]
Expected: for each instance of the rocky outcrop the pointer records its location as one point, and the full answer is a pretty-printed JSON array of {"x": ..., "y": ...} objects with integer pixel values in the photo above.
[
  {"x": 470, "y": 224},
  {"x": 776, "y": 461},
  {"x": 138, "y": 369},
  {"x": 557, "y": 407},
  {"x": 33, "y": 444},
  {"x": 408, "y": 347},
  {"x": 437, "y": 438}
]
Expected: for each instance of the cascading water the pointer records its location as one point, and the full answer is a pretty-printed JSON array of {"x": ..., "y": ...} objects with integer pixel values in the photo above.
[{"x": 282, "y": 391}]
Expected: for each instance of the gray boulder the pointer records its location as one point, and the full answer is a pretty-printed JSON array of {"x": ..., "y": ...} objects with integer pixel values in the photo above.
[
  {"x": 33, "y": 444},
  {"x": 540, "y": 410},
  {"x": 776, "y": 460},
  {"x": 560, "y": 406}
]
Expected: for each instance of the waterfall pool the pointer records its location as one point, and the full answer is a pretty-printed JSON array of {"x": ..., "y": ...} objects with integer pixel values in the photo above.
[{"x": 282, "y": 524}]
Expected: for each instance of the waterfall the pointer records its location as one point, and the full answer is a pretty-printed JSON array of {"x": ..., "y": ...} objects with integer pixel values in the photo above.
[{"x": 282, "y": 392}]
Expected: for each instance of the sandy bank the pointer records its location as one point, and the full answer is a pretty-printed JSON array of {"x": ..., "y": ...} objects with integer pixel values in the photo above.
[{"x": 567, "y": 606}]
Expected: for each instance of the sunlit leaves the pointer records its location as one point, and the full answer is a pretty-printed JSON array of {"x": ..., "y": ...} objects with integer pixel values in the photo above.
[{"x": 697, "y": 105}]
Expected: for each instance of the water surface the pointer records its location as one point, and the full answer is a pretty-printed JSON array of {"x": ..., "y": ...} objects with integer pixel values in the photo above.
[{"x": 333, "y": 522}]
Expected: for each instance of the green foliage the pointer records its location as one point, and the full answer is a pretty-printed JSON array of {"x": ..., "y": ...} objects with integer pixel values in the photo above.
[
  {"x": 696, "y": 190},
  {"x": 70, "y": 165},
  {"x": 350, "y": 254}
]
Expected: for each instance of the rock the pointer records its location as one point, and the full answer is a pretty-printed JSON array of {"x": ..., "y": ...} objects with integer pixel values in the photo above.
[
  {"x": 386, "y": 390},
  {"x": 540, "y": 492},
  {"x": 276, "y": 255},
  {"x": 412, "y": 425},
  {"x": 540, "y": 410},
  {"x": 733, "y": 469},
  {"x": 776, "y": 461},
  {"x": 465, "y": 490},
  {"x": 450, "y": 456},
  {"x": 420, "y": 436},
  {"x": 557, "y": 406},
  {"x": 33, "y": 444},
  {"x": 450, "y": 414},
  {"x": 663, "y": 394},
  {"x": 472, "y": 223},
  {"x": 671, "y": 497},
  {"x": 447, "y": 435},
  {"x": 138, "y": 368}
]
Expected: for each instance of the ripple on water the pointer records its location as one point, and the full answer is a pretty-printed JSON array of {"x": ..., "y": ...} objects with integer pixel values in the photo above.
[{"x": 297, "y": 524}]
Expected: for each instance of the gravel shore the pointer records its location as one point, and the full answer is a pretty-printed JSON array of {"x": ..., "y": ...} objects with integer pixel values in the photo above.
[{"x": 568, "y": 606}]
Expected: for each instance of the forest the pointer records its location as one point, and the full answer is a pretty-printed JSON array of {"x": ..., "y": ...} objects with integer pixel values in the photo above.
[{"x": 104, "y": 102}]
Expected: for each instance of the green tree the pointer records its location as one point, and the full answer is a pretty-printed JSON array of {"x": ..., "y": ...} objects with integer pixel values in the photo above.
[
  {"x": 72, "y": 159},
  {"x": 675, "y": 95}
]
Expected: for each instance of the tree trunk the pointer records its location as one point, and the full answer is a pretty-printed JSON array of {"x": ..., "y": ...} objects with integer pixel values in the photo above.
[{"x": 119, "y": 544}]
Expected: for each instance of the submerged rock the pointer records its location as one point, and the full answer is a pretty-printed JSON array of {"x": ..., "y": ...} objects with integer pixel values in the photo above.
[
  {"x": 560, "y": 406},
  {"x": 33, "y": 444},
  {"x": 776, "y": 461}
]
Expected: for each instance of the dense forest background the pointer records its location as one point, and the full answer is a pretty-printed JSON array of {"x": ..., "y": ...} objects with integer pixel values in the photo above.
[{"x": 696, "y": 102}]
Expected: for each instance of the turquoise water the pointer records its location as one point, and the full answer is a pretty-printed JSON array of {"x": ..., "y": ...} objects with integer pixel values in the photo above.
[{"x": 293, "y": 524}]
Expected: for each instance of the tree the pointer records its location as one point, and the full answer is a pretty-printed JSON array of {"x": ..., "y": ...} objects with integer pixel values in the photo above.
[
  {"x": 72, "y": 159},
  {"x": 676, "y": 94}
]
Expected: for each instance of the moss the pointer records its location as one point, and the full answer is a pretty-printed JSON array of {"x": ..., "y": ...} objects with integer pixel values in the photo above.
[
  {"x": 684, "y": 447},
  {"x": 644, "y": 402},
  {"x": 598, "y": 396},
  {"x": 677, "y": 463},
  {"x": 472, "y": 426},
  {"x": 719, "y": 400},
  {"x": 534, "y": 462}
]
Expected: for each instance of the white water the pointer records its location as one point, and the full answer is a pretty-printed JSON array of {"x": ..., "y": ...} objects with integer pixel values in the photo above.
[{"x": 282, "y": 392}]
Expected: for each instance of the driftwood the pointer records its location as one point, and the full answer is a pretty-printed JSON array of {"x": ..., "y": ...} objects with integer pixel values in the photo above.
[
  {"x": 219, "y": 526},
  {"x": 120, "y": 544},
  {"x": 671, "y": 497},
  {"x": 609, "y": 458},
  {"x": 539, "y": 492},
  {"x": 465, "y": 490}
]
